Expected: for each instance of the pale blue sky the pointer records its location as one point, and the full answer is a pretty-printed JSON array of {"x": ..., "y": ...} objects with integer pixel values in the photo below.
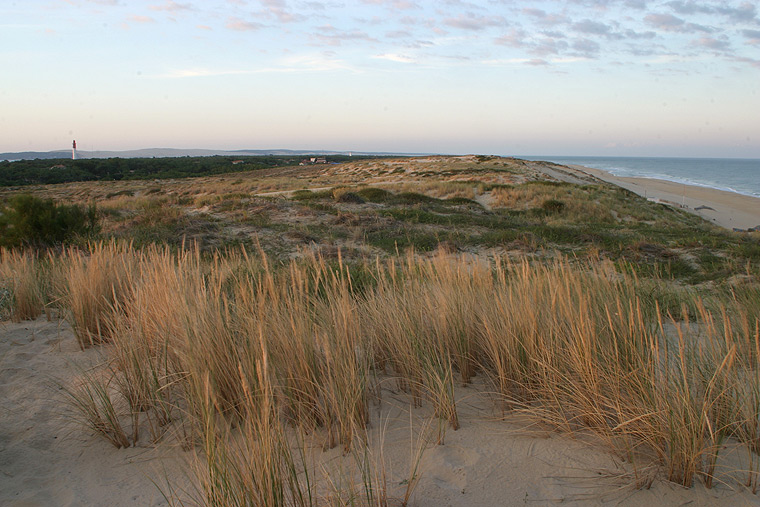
[{"x": 582, "y": 77}]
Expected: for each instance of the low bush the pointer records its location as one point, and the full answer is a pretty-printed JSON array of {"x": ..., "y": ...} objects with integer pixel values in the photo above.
[
  {"x": 553, "y": 206},
  {"x": 308, "y": 195},
  {"x": 374, "y": 194},
  {"x": 414, "y": 198},
  {"x": 30, "y": 221},
  {"x": 345, "y": 195}
]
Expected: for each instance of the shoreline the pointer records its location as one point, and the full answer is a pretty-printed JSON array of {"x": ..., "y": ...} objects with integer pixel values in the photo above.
[{"x": 730, "y": 210}]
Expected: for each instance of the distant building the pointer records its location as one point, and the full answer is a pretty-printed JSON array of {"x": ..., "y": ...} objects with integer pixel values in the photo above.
[
  {"x": 236, "y": 162},
  {"x": 313, "y": 160},
  {"x": 58, "y": 166}
]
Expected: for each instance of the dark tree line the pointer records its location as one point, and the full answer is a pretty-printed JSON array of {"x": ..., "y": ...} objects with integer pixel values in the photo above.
[{"x": 39, "y": 171}]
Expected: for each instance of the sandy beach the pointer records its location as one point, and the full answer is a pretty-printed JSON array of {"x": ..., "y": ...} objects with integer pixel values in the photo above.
[{"x": 726, "y": 209}]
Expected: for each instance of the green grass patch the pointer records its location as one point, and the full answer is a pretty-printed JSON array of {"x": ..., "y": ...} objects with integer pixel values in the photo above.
[
  {"x": 374, "y": 194},
  {"x": 308, "y": 195}
]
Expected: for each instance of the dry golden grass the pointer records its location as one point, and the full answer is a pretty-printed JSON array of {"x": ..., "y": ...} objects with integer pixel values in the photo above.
[
  {"x": 441, "y": 189},
  {"x": 244, "y": 357},
  {"x": 91, "y": 284},
  {"x": 21, "y": 286},
  {"x": 577, "y": 206}
]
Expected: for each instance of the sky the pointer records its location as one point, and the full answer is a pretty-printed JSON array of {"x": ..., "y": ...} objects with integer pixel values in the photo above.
[{"x": 577, "y": 77}]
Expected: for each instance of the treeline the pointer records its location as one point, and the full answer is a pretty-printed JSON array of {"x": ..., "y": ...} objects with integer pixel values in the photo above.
[{"x": 39, "y": 171}]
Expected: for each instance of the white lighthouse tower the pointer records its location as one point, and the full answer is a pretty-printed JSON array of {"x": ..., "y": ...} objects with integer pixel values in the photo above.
[{"x": 74, "y": 150}]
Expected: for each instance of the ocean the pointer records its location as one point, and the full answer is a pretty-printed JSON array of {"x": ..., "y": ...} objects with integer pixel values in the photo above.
[{"x": 732, "y": 174}]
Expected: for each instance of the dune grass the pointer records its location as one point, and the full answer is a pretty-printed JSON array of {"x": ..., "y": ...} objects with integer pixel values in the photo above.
[
  {"x": 242, "y": 358},
  {"x": 21, "y": 285},
  {"x": 91, "y": 283}
]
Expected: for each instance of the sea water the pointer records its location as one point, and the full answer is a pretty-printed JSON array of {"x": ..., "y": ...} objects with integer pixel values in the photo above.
[{"x": 732, "y": 174}]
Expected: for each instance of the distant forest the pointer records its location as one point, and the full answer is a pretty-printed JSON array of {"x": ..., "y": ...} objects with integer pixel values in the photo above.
[{"x": 45, "y": 171}]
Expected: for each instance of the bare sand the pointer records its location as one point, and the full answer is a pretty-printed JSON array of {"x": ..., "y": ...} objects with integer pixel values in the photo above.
[
  {"x": 47, "y": 460},
  {"x": 726, "y": 209}
]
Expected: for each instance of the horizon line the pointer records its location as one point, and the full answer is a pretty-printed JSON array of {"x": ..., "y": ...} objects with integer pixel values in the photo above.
[{"x": 299, "y": 151}]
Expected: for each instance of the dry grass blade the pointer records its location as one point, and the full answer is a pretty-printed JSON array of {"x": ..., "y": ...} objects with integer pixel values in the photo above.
[{"x": 93, "y": 404}]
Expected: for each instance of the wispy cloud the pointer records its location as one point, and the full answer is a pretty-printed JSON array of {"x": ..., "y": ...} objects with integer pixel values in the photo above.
[
  {"x": 394, "y": 57},
  {"x": 586, "y": 47},
  {"x": 636, "y": 4},
  {"x": 544, "y": 18},
  {"x": 753, "y": 36},
  {"x": 279, "y": 10},
  {"x": 393, "y": 4},
  {"x": 322, "y": 62},
  {"x": 544, "y": 45},
  {"x": 398, "y": 34},
  {"x": 470, "y": 21},
  {"x": 171, "y": 6},
  {"x": 666, "y": 22},
  {"x": 141, "y": 19},
  {"x": 744, "y": 12},
  {"x": 202, "y": 72},
  {"x": 750, "y": 61},
  {"x": 712, "y": 43},
  {"x": 592, "y": 27},
  {"x": 291, "y": 64},
  {"x": 330, "y": 36},
  {"x": 633, "y": 34},
  {"x": 532, "y": 61},
  {"x": 690, "y": 7},
  {"x": 516, "y": 38},
  {"x": 549, "y": 46},
  {"x": 242, "y": 25}
]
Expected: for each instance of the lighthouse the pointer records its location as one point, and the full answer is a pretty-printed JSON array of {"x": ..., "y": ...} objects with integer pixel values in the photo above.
[{"x": 74, "y": 150}]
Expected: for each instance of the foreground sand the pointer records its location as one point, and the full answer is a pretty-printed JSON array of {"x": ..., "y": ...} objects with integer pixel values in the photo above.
[
  {"x": 723, "y": 208},
  {"x": 45, "y": 459}
]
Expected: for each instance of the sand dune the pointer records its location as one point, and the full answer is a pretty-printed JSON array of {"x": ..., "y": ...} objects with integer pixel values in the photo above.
[{"x": 46, "y": 459}]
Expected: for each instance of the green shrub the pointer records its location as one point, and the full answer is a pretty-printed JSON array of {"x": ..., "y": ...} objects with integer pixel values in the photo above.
[
  {"x": 414, "y": 198},
  {"x": 30, "y": 221},
  {"x": 374, "y": 194},
  {"x": 111, "y": 195},
  {"x": 308, "y": 195},
  {"x": 749, "y": 248},
  {"x": 350, "y": 197},
  {"x": 552, "y": 206},
  {"x": 463, "y": 201}
]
